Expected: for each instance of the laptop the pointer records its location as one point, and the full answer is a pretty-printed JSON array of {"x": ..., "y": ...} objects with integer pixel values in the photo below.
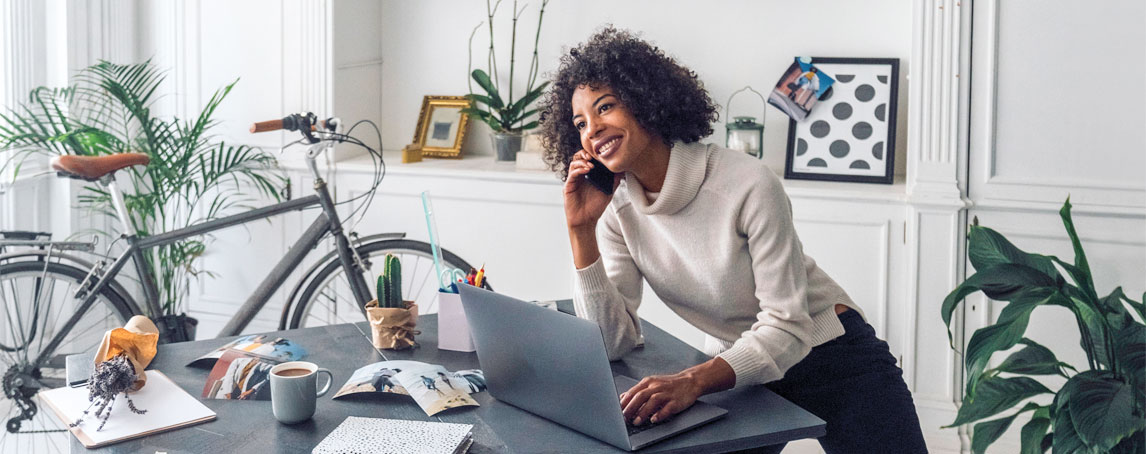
[{"x": 554, "y": 365}]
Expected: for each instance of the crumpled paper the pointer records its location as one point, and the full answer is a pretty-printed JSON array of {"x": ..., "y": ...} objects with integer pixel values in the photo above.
[
  {"x": 138, "y": 340},
  {"x": 392, "y": 327}
]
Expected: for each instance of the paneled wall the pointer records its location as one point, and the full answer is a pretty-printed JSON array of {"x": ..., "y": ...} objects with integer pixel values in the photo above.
[{"x": 1041, "y": 130}]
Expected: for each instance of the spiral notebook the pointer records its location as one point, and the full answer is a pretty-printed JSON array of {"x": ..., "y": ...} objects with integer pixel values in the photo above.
[
  {"x": 396, "y": 436},
  {"x": 168, "y": 407}
]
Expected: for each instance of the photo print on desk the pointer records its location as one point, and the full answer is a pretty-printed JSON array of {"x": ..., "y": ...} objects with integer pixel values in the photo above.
[
  {"x": 431, "y": 386},
  {"x": 850, "y": 136},
  {"x": 240, "y": 375},
  {"x": 260, "y": 344}
]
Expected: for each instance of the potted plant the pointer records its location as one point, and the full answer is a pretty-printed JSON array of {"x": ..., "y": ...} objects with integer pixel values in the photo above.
[
  {"x": 392, "y": 319},
  {"x": 1100, "y": 408},
  {"x": 192, "y": 178},
  {"x": 507, "y": 116}
]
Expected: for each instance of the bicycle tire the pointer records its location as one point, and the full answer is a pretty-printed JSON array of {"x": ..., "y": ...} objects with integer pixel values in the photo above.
[
  {"x": 14, "y": 276},
  {"x": 301, "y": 308}
]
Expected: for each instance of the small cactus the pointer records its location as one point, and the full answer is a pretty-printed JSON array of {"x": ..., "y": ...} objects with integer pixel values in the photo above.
[{"x": 389, "y": 286}]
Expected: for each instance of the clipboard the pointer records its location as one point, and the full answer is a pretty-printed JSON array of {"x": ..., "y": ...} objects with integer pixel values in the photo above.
[{"x": 168, "y": 407}]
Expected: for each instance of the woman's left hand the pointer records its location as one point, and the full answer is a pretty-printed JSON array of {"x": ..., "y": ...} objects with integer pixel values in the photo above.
[{"x": 658, "y": 397}]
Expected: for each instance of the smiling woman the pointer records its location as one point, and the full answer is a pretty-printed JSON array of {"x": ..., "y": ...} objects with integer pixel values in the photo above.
[{"x": 711, "y": 232}]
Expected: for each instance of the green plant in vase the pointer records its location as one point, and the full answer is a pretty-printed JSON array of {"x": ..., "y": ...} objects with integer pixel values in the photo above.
[
  {"x": 506, "y": 116},
  {"x": 1100, "y": 408}
]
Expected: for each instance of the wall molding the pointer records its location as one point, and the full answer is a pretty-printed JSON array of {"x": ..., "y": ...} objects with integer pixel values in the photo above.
[
  {"x": 883, "y": 231},
  {"x": 1118, "y": 197}
]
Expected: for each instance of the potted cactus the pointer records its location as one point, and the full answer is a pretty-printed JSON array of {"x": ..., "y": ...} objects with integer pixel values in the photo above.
[{"x": 392, "y": 320}]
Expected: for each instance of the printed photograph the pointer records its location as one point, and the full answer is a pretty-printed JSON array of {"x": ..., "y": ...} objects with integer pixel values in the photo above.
[
  {"x": 435, "y": 389},
  {"x": 377, "y": 378},
  {"x": 278, "y": 348},
  {"x": 240, "y": 375},
  {"x": 474, "y": 378},
  {"x": 799, "y": 89}
]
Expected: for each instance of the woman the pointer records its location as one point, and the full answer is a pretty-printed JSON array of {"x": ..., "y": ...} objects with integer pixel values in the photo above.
[{"x": 711, "y": 231}]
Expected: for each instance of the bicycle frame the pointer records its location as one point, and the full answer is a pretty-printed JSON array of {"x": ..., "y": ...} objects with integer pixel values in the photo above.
[{"x": 327, "y": 222}]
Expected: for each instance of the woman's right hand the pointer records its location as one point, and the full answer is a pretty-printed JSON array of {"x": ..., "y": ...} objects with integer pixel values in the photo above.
[{"x": 584, "y": 204}]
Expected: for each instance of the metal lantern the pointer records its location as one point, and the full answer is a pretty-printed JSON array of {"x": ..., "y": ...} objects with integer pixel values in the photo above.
[{"x": 744, "y": 133}]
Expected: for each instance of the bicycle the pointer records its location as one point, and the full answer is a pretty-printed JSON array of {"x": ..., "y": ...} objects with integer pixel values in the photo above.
[{"x": 333, "y": 290}]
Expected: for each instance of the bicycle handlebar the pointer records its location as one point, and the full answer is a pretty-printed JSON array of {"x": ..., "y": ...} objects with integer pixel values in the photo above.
[{"x": 295, "y": 122}]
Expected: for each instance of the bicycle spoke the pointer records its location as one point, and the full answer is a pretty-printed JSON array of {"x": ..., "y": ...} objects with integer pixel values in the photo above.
[
  {"x": 44, "y": 332},
  {"x": 422, "y": 287},
  {"x": 19, "y": 320}
]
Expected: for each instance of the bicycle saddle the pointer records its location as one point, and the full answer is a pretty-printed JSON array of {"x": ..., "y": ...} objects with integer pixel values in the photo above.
[{"x": 95, "y": 167}]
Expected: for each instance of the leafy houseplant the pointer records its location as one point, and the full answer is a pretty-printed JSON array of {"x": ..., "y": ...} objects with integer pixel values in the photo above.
[
  {"x": 505, "y": 116},
  {"x": 1099, "y": 409},
  {"x": 191, "y": 178}
]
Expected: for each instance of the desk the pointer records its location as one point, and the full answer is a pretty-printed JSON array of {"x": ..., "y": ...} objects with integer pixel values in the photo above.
[{"x": 756, "y": 416}]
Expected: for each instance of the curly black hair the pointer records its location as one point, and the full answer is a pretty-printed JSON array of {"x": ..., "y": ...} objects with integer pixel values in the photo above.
[{"x": 666, "y": 98}]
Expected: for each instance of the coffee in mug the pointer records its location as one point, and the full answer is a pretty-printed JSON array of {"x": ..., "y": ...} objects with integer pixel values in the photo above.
[
  {"x": 294, "y": 390},
  {"x": 292, "y": 372}
]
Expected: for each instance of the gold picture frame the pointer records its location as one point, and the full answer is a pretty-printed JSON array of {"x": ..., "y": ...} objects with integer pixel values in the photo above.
[{"x": 442, "y": 126}]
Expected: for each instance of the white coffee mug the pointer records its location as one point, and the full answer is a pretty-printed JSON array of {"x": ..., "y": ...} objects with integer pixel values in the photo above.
[{"x": 293, "y": 392}]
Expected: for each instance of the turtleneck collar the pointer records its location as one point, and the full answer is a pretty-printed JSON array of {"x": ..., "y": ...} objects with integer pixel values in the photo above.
[{"x": 687, "y": 165}]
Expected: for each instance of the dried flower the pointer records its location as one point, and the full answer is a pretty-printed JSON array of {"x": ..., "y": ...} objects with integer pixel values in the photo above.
[{"x": 108, "y": 380}]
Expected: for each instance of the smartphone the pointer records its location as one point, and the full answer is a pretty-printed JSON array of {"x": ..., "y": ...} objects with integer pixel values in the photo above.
[{"x": 601, "y": 177}]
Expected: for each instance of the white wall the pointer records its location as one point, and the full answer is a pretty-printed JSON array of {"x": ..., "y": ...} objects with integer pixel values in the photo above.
[{"x": 729, "y": 44}]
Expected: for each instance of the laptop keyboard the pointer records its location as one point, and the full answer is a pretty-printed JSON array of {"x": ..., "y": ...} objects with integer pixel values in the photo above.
[{"x": 641, "y": 428}]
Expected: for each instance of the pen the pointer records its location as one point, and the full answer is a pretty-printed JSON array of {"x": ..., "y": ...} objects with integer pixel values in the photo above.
[{"x": 480, "y": 276}]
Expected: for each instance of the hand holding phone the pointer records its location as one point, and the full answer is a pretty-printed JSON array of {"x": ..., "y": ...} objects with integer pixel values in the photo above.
[{"x": 600, "y": 177}]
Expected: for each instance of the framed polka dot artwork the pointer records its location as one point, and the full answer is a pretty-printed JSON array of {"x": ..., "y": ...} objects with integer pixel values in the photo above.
[{"x": 850, "y": 133}]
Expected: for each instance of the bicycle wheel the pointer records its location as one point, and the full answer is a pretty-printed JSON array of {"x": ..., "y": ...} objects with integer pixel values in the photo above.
[
  {"x": 327, "y": 299},
  {"x": 37, "y": 298}
]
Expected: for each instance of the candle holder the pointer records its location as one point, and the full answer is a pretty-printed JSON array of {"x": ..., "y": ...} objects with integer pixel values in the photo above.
[{"x": 744, "y": 133}]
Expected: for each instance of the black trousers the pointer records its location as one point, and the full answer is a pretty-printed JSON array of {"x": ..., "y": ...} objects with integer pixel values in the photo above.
[{"x": 853, "y": 383}]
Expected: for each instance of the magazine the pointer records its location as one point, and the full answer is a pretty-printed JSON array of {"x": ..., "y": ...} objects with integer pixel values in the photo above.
[
  {"x": 263, "y": 345},
  {"x": 240, "y": 375},
  {"x": 431, "y": 386}
]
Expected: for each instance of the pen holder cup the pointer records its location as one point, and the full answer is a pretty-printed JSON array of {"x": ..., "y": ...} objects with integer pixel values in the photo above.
[
  {"x": 453, "y": 328},
  {"x": 393, "y": 327}
]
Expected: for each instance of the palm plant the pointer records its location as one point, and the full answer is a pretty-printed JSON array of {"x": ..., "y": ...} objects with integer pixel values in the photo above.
[
  {"x": 191, "y": 178},
  {"x": 1099, "y": 409}
]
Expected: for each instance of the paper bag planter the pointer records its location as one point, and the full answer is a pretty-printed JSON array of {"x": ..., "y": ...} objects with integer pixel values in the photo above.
[
  {"x": 392, "y": 320},
  {"x": 393, "y": 327}
]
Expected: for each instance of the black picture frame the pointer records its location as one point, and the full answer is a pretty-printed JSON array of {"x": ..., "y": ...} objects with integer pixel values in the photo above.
[{"x": 799, "y": 165}]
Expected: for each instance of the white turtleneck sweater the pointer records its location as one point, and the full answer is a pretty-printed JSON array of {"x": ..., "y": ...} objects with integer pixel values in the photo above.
[{"x": 718, "y": 246}]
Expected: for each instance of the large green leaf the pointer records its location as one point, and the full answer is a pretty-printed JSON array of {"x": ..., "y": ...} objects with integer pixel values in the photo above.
[
  {"x": 1000, "y": 282},
  {"x": 987, "y": 248},
  {"x": 486, "y": 84},
  {"x": 1102, "y": 410},
  {"x": 1116, "y": 314},
  {"x": 1034, "y": 359},
  {"x": 1034, "y": 431},
  {"x": 1066, "y": 439},
  {"x": 1079, "y": 255},
  {"x": 494, "y": 103},
  {"x": 1094, "y": 324},
  {"x": 996, "y": 394},
  {"x": 1130, "y": 345},
  {"x": 987, "y": 432},
  {"x": 1004, "y": 334}
]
